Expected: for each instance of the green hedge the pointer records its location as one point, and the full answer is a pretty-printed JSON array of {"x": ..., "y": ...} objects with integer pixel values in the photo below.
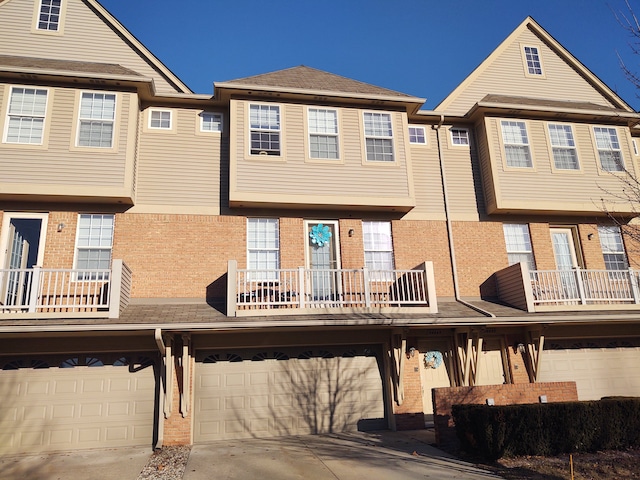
[{"x": 548, "y": 428}]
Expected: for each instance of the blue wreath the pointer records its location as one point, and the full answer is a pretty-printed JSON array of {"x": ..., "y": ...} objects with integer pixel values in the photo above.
[
  {"x": 319, "y": 234},
  {"x": 432, "y": 359}
]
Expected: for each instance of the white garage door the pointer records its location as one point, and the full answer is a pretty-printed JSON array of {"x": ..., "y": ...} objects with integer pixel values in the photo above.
[
  {"x": 69, "y": 403},
  {"x": 286, "y": 392},
  {"x": 599, "y": 369}
]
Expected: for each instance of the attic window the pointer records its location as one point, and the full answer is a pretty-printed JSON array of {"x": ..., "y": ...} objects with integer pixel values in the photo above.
[
  {"x": 532, "y": 59},
  {"x": 49, "y": 15}
]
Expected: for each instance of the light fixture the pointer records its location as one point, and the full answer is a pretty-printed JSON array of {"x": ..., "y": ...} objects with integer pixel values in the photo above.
[
  {"x": 351, "y": 232},
  {"x": 61, "y": 226},
  {"x": 411, "y": 352},
  {"x": 590, "y": 236},
  {"x": 520, "y": 348}
]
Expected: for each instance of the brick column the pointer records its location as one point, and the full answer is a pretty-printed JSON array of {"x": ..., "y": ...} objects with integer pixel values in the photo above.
[
  {"x": 177, "y": 428},
  {"x": 410, "y": 415}
]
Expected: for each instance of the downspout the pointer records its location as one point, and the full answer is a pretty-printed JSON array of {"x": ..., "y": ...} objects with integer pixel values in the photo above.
[
  {"x": 452, "y": 252},
  {"x": 160, "y": 418}
]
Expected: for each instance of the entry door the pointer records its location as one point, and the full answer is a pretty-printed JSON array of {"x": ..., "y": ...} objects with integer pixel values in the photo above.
[
  {"x": 323, "y": 259},
  {"x": 566, "y": 259}
]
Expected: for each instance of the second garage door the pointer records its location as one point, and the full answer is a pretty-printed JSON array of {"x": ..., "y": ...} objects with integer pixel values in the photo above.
[{"x": 287, "y": 392}]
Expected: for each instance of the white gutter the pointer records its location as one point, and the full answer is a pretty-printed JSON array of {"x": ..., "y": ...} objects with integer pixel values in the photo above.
[{"x": 160, "y": 418}]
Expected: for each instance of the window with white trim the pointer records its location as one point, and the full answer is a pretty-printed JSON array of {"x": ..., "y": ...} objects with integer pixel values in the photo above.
[
  {"x": 26, "y": 114},
  {"x": 378, "y": 137},
  {"x": 516, "y": 144},
  {"x": 378, "y": 246},
  {"x": 96, "y": 119},
  {"x": 93, "y": 245},
  {"x": 417, "y": 135},
  {"x": 634, "y": 143},
  {"x": 518, "y": 241},
  {"x": 160, "y": 119},
  {"x": 263, "y": 248},
  {"x": 608, "y": 149},
  {"x": 210, "y": 122},
  {"x": 532, "y": 57},
  {"x": 563, "y": 146},
  {"x": 323, "y": 133},
  {"x": 460, "y": 136},
  {"x": 49, "y": 15},
  {"x": 265, "y": 129},
  {"x": 615, "y": 257}
]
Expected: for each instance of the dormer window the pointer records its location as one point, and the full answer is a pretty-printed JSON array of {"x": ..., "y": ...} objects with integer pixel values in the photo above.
[
  {"x": 49, "y": 15},
  {"x": 532, "y": 59}
]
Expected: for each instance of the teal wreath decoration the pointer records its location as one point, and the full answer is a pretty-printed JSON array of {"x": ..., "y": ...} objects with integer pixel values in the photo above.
[
  {"x": 319, "y": 234},
  {"x": 432, "y": 359}
]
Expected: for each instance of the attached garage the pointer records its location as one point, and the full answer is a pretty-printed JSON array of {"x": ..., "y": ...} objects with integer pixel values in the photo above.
[
  {"x": 76, "y": 401},
  {"x": 275, "y": 392},
  {"x": 600, "y": 369}
]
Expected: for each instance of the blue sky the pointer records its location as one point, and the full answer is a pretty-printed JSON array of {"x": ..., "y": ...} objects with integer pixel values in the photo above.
[{"x": 420, "y": 47}]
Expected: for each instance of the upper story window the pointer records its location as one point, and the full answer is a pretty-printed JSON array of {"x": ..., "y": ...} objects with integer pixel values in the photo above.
[
  {"x": 518, "y": 241},
  {"x": 265, "y": 129},
  {"x": 378, "y": 137},
  {"x": 96, "y": 119},
  {"x": 460, "y": 136},
  {"x": 323, "y": 133},
  {"x": 532, "y": 57},
  {"x": 93, "y": 245},
  {"x": 378, "y": 247},
  {"x": 263, "y": 248},
  {"x": 210, "y": 122},
  {"x": 26, "y": 113},
  {"x": 608, "y": 149},
  {"x": 161, "y": 119},
  {"x": 563, "y": 146},
  {"x": 49, "y": 15},
  {"x": 516, "y": 144},
  {"x": 612, "y": 247},
  {"x": 417, "y": 135}
]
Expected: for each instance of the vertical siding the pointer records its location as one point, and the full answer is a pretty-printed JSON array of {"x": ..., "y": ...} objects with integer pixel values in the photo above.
[{"x": 85, "y": 37}]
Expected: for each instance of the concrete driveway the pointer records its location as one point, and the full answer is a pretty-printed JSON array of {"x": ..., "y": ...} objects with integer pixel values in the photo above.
[{"x": 356, "y": 456}]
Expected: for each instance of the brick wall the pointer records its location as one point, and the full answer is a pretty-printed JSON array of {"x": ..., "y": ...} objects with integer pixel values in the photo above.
[
  {"x": 177, "y": 428},
  {"x": 409, "y": 415},
  {"x": 60, "y": 245},
  {"x": 351, "y": 247},
  {"x": 292, "y": 242},
  {"x": 507, "y": 394},
  {"x": 591, "y": 249}
]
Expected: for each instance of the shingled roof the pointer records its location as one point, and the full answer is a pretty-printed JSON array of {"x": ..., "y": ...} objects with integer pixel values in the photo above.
[
  {"x": 542, "y": 103},
  {"x": 307, "y": 78},
  {"x": 34, "y": 63}
]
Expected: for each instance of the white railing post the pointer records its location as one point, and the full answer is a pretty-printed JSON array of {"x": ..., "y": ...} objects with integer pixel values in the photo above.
[
  {"x": 366, "y": 279},
  {"x": 34, "y": 292},
  {"x": 115, "y": 287},
  {"x": 430, "y": 286},
  {"x": 301, "y": 284},
  {"x": 580, "y": 283},
  {"x": 232, "y": 288},
  {"x": 635, "y": 291}
]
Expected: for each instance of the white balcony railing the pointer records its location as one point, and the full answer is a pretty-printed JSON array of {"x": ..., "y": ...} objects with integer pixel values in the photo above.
[
  {"x": 54, "y": 292},
  {"x": 313, "y": 289}
]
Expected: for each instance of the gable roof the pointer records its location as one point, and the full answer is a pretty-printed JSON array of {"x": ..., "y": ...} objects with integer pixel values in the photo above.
[{"x": 530, "y": 24}]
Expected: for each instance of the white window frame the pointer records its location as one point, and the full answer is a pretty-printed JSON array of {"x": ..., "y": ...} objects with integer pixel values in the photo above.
[
  {"x": 378, "y": 137},
  {"x": 378, "y": 248},
  {"x": 213, "y": 122},
  {"x": 517, "y": 239},
  {"x": 612, "y": 245},
  {"x": 319, "y": 127},
  {"x": 532, "y": 60},
  {"x": 608, "y": 146},
  {"x": 160, "y": 119},
  {"x": 510, "y": 143},
  {"x": 90, "y": 244},
  {"x": 271, "y": 129},
  {"x": 563, "y": 144},
  {"x": 634, "y": 143},
  {"x": 47, "y": 19},
  {"x": 102, "y": 119},
  {"x": 258, "y": 255},
  {"x": 416, "y": 138},
  {"x": 457, "y": 140},
  {"x": 33, "y": 116}
]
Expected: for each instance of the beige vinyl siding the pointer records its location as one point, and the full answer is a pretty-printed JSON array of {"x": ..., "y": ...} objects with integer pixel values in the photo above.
[
  {"x": 181, "y": 168},
  {"x": 505, "y": 75},
  {"x": 58, "y": 162},
  {"x": 484, "y": 161},
  {"x": 291, "y": 173},
  {"x": 541, "y": 188},
  {"x": 86, "y": 36}
]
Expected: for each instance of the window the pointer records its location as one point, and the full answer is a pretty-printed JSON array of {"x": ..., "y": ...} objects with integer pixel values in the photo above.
[
  {"x": 417, "y": 135},
  {"x": 94, "y": 241},
  {"x": 263, "y": 248},
  {"x": 323, "y": 133},
  {"x": 210, "y": 122},
  {"x": 612, "y": 248},
  {"x": 27, "y": 108},
  {"x": 563, "y": 146},
  {"x": 516, "y": 144},
  {"x": 532, "y": 57},
  {"x": 265, "y": 129},
  {"x": 460, "y": 136},
  {"x": 49, "y": 15},
  {"x": 378, "y": 246},
  {"x": 608, "y": 149},
  {"x": 97, "y": 115},
  {"x": 378, "y": 137},
  {"x": 160, "y": 119},
  {"x": 518, "y": 241},
  {"x": 634, "y": 142}
]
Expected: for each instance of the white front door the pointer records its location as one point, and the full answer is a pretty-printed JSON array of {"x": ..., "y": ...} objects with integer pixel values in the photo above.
[
  {"x": 323, "y": 258},
  {"x": 566, "y": 260}
]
